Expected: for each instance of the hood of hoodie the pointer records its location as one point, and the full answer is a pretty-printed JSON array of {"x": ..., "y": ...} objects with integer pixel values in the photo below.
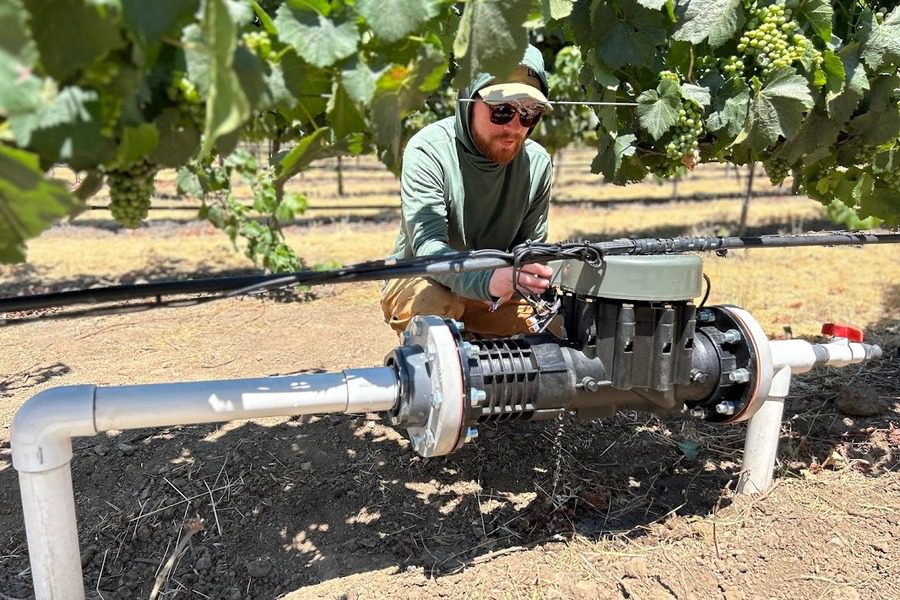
[{"x": 534, "y": 61}]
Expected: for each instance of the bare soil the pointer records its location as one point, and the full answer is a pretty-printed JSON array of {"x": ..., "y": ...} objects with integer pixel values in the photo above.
[{"x": 338, "y": 506}]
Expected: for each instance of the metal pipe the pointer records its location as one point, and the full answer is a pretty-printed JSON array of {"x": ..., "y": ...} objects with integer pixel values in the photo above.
[{"x": 44, "y": 426}]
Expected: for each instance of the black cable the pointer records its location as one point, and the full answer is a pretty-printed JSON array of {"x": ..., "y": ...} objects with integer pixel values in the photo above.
[
  {"x": 708, "y": 290},
  {"x": 422, "y": 266}
]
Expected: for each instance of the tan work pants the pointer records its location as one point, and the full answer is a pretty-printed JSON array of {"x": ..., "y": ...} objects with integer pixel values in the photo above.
[{"x": 402, "y": 299}]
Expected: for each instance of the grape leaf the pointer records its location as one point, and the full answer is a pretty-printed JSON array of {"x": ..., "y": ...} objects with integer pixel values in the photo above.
[
  {"x": 715, "y": 20},
  {"x": 881, "y": 122},
  {"x": 15, "y": 36},
  {"x": 20, "y": 90},
  {"x": 316, "y": 38},
  {"x": 883, "y": 44},
  {"x": 71, "y": 34},
  {"x": 816, "y": 137},
  {"x": 834, "y": 71},
  {"x": 392, "y": 20},
  {"x": 359, "y": 81},
  {"x": 66, "y": 129},
  {"x": 653, "y": 4},
  {"x": 777, "y": 110},
  {"x": 343, "y": 115},
  {"x": 28, "y": 202},
  {"x": 697, "y": 93},
  {"x": 819, "y": 14},
  {"x": 658, "y": 109},
  {"x": 612, "y": 151},
  {"x": 491, "y": 38},
  {"x": 884, "y": 203},
  {"x": 557, "y": 9},
  {"x": 732, "y": 105},
  {"x": 226, "y": 105},
  {"x": 136, "y": 143},
  {"x": 178, "y": 140},
  {"x": 150, "y": 21},
  {"x": 629, "y": 38}
]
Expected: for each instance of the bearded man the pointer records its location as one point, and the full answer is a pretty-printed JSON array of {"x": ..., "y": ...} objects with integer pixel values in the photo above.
[{"x": 470, "y": 182}]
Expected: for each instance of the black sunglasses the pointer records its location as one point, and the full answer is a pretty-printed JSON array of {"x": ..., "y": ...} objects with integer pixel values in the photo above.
[{"x": 501, "y": 114}]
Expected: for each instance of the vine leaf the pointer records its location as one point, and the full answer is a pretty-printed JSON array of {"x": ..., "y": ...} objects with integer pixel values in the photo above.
[
  {"x": 28, "y": 202},
  {"x": 611, "y": 154},
  {"x": 819, "y": 14},
  {"x": 65, "y": 129},
  {"x": 301, "y": 155},
  {"x": 715, "y": 20},
  {"x": 653, "y": 4},
  {"x": 697, "y": 93},
  {"x": 658, "y": 109},
  {"x": 392, "y": 20},
  {"x": 883, "y": 44},
  {"x": 226, "y": 105},
  {"x": 629, "y": 39},
  {"x": 71, "y": 34},
  {"x": 881, "y": 122},
  {"x": 731, "y": 107},
  {"x": 343, "y": 115},
  {"x": 137, "y": 142},
  {"x": 315, "y": 37},
  {"x": 777, "y": 110},
  {"x": 360, "y": 81},
  {"x": 558, "y": 9},
  {"x": 150, "y": 21},
  {"x": 20, "y": 90},
  {"x": 491, "y": 38}
]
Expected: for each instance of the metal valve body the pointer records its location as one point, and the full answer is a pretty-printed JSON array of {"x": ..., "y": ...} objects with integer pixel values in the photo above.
[{"x": 632, "y": 340}]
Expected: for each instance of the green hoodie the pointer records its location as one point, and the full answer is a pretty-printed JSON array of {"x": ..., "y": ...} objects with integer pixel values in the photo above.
[{"x": 454, "y": 198}]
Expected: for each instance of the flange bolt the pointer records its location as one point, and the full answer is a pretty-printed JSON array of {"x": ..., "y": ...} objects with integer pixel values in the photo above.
[
  {"x": 470, "y": 349},
  {"x": 739, "y": 376},
  {"x": 725, "y": 408},
  {"x": 698, "y": 376},
  {"x": 705, "y": 315},
  {"x": 477, "y": 395},
  {"x": 697, "y": 412},
  {"x": 471, "y": 434},
  {"x": 732, "y": 336}
]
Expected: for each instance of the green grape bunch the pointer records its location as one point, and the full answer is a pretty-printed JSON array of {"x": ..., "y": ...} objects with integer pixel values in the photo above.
[
  {"x": 773, "y": 40},
  {"x": 130, "y": 190},
  {"x": 684, "y": 145},
  {"x": 259, "y": 43},
  {"x": 183, "y": 92},
  {"x": 777, "y": 169}
]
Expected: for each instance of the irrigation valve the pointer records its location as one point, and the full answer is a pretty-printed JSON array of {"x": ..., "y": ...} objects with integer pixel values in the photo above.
[{"x": 632, "y": 340}]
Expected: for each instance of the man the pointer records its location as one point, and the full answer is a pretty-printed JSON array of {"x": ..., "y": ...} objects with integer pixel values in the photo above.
[{"x": 475, "y": 181}]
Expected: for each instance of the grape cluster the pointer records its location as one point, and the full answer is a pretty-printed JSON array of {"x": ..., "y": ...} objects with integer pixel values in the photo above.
[
  {"x": 773, "y": 40},
  {"x": 777, "y": 169},
  {"x": 733, "y": 65},
  {"x": 110, "y": 111},
  {"x": 259, "y": 43},
  {"x": 670, "y": 76},
  {"x": 129, "y": 193},
  {"x": 183, "y": 92},
  {"x": 688, "y": 129}
]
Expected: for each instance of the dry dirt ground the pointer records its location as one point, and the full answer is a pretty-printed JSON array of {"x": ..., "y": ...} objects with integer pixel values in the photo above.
[{"x": 339, "y": 506}]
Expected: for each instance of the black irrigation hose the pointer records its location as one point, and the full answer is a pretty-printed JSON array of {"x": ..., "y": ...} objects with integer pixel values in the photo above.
[{"x": 478, "y": 260}]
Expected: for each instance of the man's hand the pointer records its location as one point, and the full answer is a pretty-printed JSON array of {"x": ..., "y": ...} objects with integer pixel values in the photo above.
[{"x": 533, "y": 277}]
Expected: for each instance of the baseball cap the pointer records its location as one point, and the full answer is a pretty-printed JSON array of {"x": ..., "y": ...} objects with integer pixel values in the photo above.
[{"x": 522, "y": 87}]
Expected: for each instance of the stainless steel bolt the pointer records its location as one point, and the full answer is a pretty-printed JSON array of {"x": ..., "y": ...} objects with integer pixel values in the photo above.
[
  {"x": 429, "y": 439},
  {"x": 436, "y": 399},
  {"x": 470, "y": 349},
  {"x": 477, "y": 395},
  {"x": 739, "y": 376},
  {"x": 698, "y": 376},
  {"x": 732, "y": 336},
  {"x": 471, "y": 434},
  {"x": 725, "y": 408},
  {"x": 697, "y": 412},
  {"x": 706, "y": 316},
  {"x": 460, "y": 326}
]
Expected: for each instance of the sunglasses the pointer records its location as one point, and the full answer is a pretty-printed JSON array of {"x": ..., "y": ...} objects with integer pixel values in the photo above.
[{"x": 501, "y": 114}]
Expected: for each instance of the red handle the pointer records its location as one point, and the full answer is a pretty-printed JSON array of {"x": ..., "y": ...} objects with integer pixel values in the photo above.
[{"x": 842, "y": 330}]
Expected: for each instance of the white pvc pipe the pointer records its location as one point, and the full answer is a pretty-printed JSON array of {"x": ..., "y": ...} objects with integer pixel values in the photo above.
[
  {"x": 44, "y": 426},
  {"x": 48, "y": 504},
  {"x": 764, "y": 428}
]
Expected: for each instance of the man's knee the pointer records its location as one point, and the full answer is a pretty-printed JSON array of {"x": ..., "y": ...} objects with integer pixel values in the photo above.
[{"x": 402, "y": 299}]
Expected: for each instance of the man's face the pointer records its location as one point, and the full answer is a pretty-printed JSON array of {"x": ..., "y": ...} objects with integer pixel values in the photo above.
[{"x": 499, "y": 143}]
